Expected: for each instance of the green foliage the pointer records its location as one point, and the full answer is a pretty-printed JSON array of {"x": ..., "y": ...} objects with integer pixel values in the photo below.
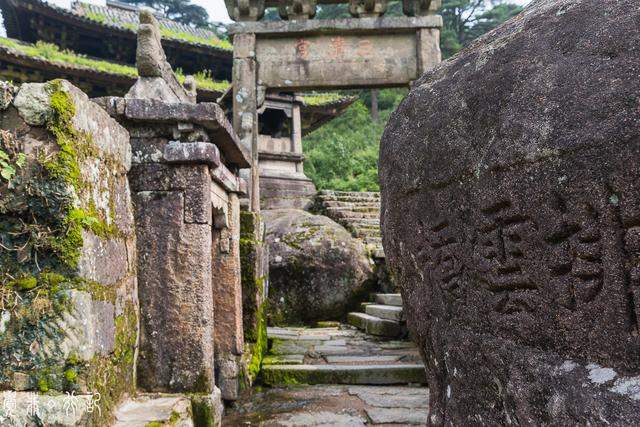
[
  {"x": 191, "y": 38},
  {"x": 321, "y": 98},
  {"x": 465, "y": 20},
  {"x": 53, "y": 53},
  {"x": 343, "y": 154},
  {"x": 8, "y": 167}
]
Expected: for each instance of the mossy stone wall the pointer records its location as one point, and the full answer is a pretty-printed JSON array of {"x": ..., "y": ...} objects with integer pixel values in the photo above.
[{"x": 68, "y": 305}]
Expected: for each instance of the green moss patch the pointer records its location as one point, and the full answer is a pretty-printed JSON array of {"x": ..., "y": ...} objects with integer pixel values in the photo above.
[{"x": 53, "y": 53}]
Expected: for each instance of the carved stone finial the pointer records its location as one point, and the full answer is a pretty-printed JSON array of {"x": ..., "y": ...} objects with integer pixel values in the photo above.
[
  {"x": 191, "y": 86},
  {"x": 245, "y": 10},
  {"x": 297, "y": 9},
  {"x": 156, "y": 78},
  {"x": 150, "y": 56},
  {"x": 420, "y": 7},
  {"x": 367, "y": 8}
]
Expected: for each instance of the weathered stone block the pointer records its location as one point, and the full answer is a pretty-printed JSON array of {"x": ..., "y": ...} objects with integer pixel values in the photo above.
[
  {"x": 192, "y": 152},
  {"x": 507, "y": 194},
  {"x": 176, "y": 297},
  {"x": 67, "y": 270}
]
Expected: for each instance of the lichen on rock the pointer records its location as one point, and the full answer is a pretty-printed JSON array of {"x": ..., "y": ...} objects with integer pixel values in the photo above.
[{"x": 318, "y": 271}]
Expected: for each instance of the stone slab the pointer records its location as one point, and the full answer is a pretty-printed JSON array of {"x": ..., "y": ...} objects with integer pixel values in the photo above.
[
  {"x": 389, "y": 299},
  {"x": 398, "y": 416},
  {"x": 174, "y": 410},
  {"x": 361, "y": 359},
  {"x": 285, "y": 359},
  {"x": 343, "y": 374},
  {"x": 380, "y": 25},
  {"x": 328, "y": 61},
  {"x": 399, "y": 399},
  {"x": 387, "y": 312},
  {"x": 374, "y": 325},
  {"x": 323, "y": 418}
]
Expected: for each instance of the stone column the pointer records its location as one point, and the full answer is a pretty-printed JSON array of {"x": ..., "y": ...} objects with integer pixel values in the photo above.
[
  {"x": 429, "y": 54},
  {"x": 245, "y": 104},
  {"x": 254, "y": 255},
  {"x": 173, "y": 218},
  {"x": 227, "y": 292},
  {"x": 296, "y": 134}
]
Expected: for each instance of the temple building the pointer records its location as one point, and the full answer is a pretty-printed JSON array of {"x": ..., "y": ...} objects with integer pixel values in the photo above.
[{"x": 94, "y": 47}]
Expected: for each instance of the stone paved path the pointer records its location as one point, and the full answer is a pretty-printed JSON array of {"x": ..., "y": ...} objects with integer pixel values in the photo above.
[
  {"x": 331, "y": 405},
  {"x": 339, "y": 355},
  {"x": 347, "y": 367}
]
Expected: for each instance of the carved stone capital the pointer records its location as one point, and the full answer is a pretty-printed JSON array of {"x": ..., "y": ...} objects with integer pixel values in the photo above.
[
  {"x": 245, "y": 10},
  {"x": 420, "y": 7},
  {"x": 367, "y": 8},
  {"x": 297, "y": 9}
]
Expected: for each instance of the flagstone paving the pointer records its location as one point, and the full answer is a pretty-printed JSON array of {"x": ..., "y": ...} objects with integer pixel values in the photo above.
[
  {"x": 330, "y": 405},
  {"x": 335, "y": 376}
]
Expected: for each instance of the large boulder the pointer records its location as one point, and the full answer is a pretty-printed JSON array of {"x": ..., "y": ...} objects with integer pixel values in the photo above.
[
  {"x": 511, "y": 218},
  {"x": 317, "y": 271}
]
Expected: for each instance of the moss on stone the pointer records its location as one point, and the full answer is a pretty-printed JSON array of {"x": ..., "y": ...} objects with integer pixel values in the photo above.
[
  {"x": 202, "y": 411},
  {"x": 174, "y": 418},
  {"x": 42, "y": 220},
  {"x": 260, "y": 347}
]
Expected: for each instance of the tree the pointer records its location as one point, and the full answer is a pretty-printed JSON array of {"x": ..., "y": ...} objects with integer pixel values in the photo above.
[
  {"x": 465, "y": 20},
  {"x": 179, "y": 10}
]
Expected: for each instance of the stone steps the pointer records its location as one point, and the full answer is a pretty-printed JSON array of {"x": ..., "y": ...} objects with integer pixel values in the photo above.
[
  {"x": 383, "y": 317},
  {"x": 350, "y": 205},
  {"x": 356, "y": 209},
  {"x": 341, "y": 355},
  {"x": 387, "y": 312},
  {"x": 388, "y": 299},
  {"x": 375, "y": 326},
  {"x": 357, "y": 212},
  {"x": 366, "y": 374},
  {"x": 355, "y": 216},
  {"x": 366, "y": 232}
]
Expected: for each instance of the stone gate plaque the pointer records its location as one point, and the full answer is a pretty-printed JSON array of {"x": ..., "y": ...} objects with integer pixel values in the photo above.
[{"x": 337, "y": 60}]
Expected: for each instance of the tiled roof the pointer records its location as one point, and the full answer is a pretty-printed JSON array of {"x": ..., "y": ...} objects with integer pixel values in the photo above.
[
  {"x": 125, "y": 16},
  {"x": 325, "y": 99}
]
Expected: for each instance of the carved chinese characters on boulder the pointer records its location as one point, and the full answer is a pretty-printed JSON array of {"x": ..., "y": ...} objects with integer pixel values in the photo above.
[{"x": 511, "y": 217}]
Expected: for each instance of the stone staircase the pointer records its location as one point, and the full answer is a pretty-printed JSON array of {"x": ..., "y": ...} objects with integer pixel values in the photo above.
[
  {"x": 358, "y": 212},
  {"x": 383, "y": 317},
  {"x": 339, "y": 355}
]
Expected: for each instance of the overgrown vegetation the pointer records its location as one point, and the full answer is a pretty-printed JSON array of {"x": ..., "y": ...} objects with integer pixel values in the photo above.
[
  {"x": 343, "y": 154},
  {"x": 53, "y": 53}
]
